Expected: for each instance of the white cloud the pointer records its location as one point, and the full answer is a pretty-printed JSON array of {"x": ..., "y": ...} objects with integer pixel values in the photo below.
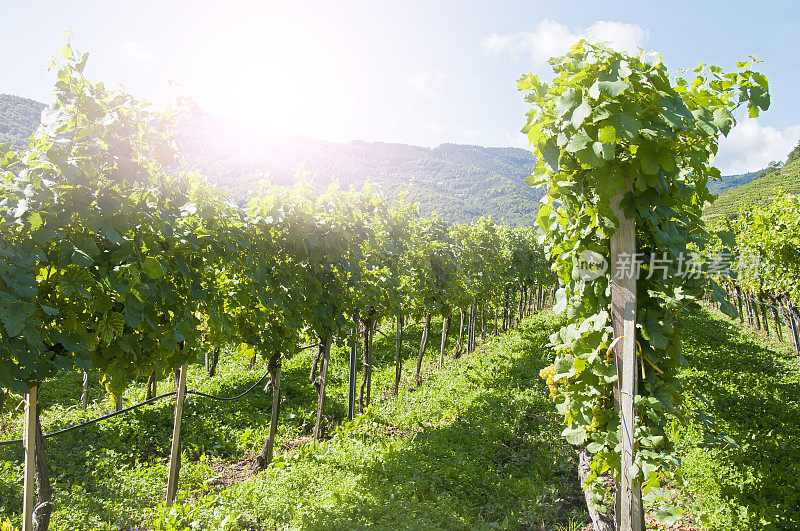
[
  {"x": 517, "y": 139},
  {"x": 551, "y": 38},
  {"x": 437, "y": 128},
  {"x": 138, "y": 52},
  {"x": 429, "y": 83},
  {"x": 751, "y": 146}
]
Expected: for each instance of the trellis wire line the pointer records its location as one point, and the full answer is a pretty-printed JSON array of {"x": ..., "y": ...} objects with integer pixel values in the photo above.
[
  {"x": 98, "y": 419},
  {"x": 228, "y": 398},
  {"x": 148, "y": 401}
]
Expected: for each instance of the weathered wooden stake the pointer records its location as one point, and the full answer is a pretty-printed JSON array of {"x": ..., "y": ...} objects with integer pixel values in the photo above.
[
  {"x": 445, "y": 329},
  {"x": 422, "y": 346},
  {"x": 471, "y": 330},
  {"x": 624, "y": 272},
  {"x": 460, "y": 343},
  {"x": 276, "y": 408},
  {"x": 483, "y": 323},
  {"x": 630, "y": 513},
  {"x": 365, "y": 390},
  {"x": 739, "y": 302},
  {"x": 504, "y": 302},
  {"x": 755, "y": 311},
  {"x": 267, "y": 451},
  {"x": 175, "y": 452},
  {"x": 85, "y": 392},
  {"x": 29, "y": 443},
  {"x": 793, "y": 323},
  {"x": 776, "y": 318},
  {"x": 351, "y": 390},
  {"x": 398, "y": 354},
  {"x": 323, "y": 383}
]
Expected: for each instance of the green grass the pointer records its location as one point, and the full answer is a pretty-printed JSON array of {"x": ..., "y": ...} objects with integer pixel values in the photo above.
[
  {"x": 480, "y": 448},
  {"x": 476, "y": 445},
  {"x": 752, "y": 393},
  {"x": 758, "y": 192}
]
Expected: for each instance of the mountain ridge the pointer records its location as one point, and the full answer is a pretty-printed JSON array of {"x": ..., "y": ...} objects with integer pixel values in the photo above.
[
  {"x": 757, "y": 192},
  {"x": 19, "y": 118},
  {"x": 458, "y": 181}
]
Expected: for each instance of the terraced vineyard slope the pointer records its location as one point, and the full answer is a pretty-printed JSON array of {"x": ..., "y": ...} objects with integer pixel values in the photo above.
[{"x": 758, "y": 192}]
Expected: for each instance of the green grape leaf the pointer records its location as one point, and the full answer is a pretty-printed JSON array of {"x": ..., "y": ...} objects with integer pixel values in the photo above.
[
  {"x": 153, "y": 268},
  {"x": 574, "y": 436},
  {"x": 567, "y": 102},
  {"x": 49, "y": 310},
  {"x": 80, "y": 258},
  {"x": 629, "y": 125},
  {"x": 578, "y": 141},
  {"x": 607, "y": 134},
  {"x": 551, "y": 155},
  {"x": 612, "y": 86},
  {"x": 669, "y": 515},
  {"x": 580, "y": 114}
]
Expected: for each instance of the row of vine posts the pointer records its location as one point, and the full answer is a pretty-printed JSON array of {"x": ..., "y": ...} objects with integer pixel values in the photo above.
[{"x": 529, "y": 303}]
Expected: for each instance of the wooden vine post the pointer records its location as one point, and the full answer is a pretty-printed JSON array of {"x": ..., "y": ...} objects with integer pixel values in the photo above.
[
  {"x": 175, "y": 453},
  {"x": 792, "y": 311},
  {"x": 266, "y": 454},
  {"x": 85, "y": 391},
  {"x": 29, "y": 442},
  {"x": 471, "y": 330},
  {"x": 351, "y": 389},
  {"x": 326, "y": 354},
  {"x": 624, "y": 273}
]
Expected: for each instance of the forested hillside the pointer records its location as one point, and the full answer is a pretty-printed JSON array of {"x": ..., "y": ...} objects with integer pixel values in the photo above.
[
  {"x": 732, "y": 181},
  {"x": 18, "y": 119},
  {"x": 459, "y": 182},
  {"x": 759, "y": 191}
]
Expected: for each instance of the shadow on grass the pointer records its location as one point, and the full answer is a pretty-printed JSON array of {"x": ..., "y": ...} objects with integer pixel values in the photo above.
[
  {"x": 753, "y": 394},
  {"x": 500, "y": 462},
  {"x": 501, "y": 458}
]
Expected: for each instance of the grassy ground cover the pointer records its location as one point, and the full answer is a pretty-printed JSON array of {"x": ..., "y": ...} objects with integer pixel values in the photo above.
[
  {"x": 744, "y": 471},
  {"x": 476, "y": 446}
]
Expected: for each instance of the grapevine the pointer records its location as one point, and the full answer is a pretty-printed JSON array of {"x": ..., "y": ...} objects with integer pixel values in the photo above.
[
  {"x": 114, "y": 260},
  {"x": 608, "y": 121}
]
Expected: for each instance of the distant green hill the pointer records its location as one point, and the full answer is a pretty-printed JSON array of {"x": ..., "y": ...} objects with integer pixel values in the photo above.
[
  {"x": 732, "y": 181},
  {"x": 19, "y": 117},
  {"x": 758, "y": 192},
  {"x": 461, "y": 183}
]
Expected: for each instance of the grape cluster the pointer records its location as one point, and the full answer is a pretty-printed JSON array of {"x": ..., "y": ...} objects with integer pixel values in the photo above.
[
  {"x": 548, "y": 373},
  {"x": 595, "y": 425}
]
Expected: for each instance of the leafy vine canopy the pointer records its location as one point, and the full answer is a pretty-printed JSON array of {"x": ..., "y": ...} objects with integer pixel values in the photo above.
[{"x": 612, "y": 125}]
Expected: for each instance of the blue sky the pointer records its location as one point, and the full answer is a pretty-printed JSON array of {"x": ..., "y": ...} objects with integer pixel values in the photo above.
[{"x": 412, "y": 71}]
